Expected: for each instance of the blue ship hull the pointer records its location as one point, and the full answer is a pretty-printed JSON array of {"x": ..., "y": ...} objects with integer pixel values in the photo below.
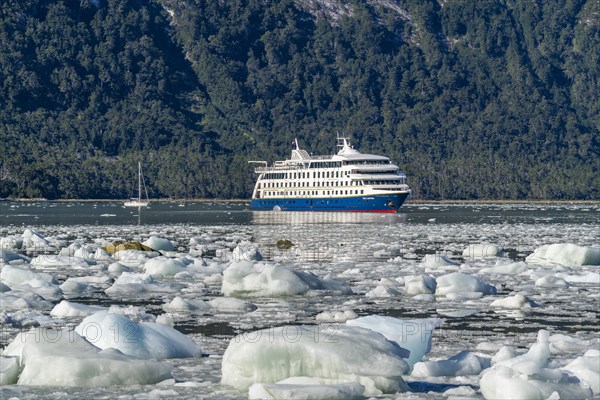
[{"x": 384, "y": 203}]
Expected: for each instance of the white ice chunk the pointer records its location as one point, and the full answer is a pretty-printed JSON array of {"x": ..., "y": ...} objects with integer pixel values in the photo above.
[
  {"x": 63, "y": 358},
  {"x": 13, "y": 275},
  {"x": 230, "y": 304},
  {"x": 516, "y": 301},
  {"x": 477, "y": 251},
  {"x": 130, "y": 283},
  {"x": 246, "y": 252},
  {"x": 336, "y": 316},
  {"x": 567, "y": 344},
  {"x": 588, "y": 277},
  {"x": 382, "y": 291},
  {"x": 436, "y": 260},
  {"x": 463, "y": 363},
  {"x": 179, "y": 304},
  {"x": 53, "y": 260},
  {"x": 9, "y": 370},
  {"x": 587, "y": 369},
  {"x": 334, "y": 354},
  {"x": 69, "y": 309},
  {"x": 144, "y": 340},
  {"x": 413, "y": 335},
  {"x": 458, "y": 282},
  {"x": 564, "y": 254},
  {"x": 13, "y": 242},
  {"x": 247, "y": 279},
  {"x": 505, "y": 268},
  {"x": 158, "y": 243},
  {"x": 343, "y": 391},
  {"x": 18, "y": 299},
  {"x": 551, "y": 281},
  {"x": 8, "y": 256},
  {"x": 527, "y": 377},
  {"x": 33, "y": 239},
  {"x": 164, "y": 266},
  {"x": 419, "y": 284}
]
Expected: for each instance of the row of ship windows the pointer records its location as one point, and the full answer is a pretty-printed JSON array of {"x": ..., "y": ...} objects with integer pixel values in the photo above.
[
  {"x": 304, "y": 175},
  {"x": 314, "y": 192},
  {"x": 334, "y": 183}
]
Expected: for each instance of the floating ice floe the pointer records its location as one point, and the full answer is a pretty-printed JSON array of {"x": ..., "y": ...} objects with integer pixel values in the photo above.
[
  {"x": 296, "y": 391},
  {"x": 19, "y": 299},
  {"x": 551, "y": 281},
  {"x": 503, "y": 267},
  {"x": 419, "y": 284},
  {"x": 158, "y": 243},
  {"x": 164, "y": 266},
  {"x": 133, "y": 258},
  {"x": 13, "y": 275},
  {"x": 34, "y": 240},
  {"x": 21, "y": 277},
  {"x": 560, "y": 343},
  {"x": 331, "y": 355},
  {"x": 132, "y": 283},
  {"x": 434, "y": 261},
  {"x": 336, "y": 316},
  {"x": 246, "y": 252},
  {"x": 222, "y": 304},
  {"x": 143, "y": 340},
  {"x": 383, "y": 291},
  {"x": 564, "y": 254},
  {"x": 516, "y": 301},
  {"x": 413, "y": 335},
  {"x": 9, "y": 257},
  {"x": 461, "y": 364},
  {"x": 588, "y": 277},
  {"x": 587, "y": 369},
  {"x": 54, "y": 260},
  {"x": 247, "y": 279},
  {"x": 457, "y": 282},
  {"x": 477, "y": 251},
  {"x": 69, "y": 309},
  {"x": 528, "y": 377},
  {"x": 47, "y": 357},
  {"x": 13, "y": 242}
]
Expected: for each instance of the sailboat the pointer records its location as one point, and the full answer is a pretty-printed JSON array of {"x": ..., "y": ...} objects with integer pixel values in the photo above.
[{"x": 137, "y": 202}]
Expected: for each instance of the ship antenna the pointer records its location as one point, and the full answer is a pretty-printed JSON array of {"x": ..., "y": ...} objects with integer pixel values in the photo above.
[{"x": 297, "y": 145}]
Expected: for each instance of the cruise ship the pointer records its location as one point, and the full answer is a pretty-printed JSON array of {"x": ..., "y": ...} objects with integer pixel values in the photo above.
[{"x": 347, "y": 181}]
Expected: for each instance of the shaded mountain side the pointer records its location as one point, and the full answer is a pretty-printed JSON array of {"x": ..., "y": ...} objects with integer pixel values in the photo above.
[{"x": 473, "y": 99}]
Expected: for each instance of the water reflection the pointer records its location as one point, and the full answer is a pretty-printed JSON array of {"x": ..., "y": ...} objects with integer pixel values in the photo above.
[{"x": 300, "y": 218}]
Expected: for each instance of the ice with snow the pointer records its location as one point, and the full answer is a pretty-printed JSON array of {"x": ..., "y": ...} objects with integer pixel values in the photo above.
[
  {"x": 458, "y": 282},
  {"x": 158, "y": 243},
  {"x": 331, "y": 354},
  {"x": 463, "y": 363},
  {"x": 529, "y": 376},
  {"x": 413, "y": 335},
  {"x": 478, "y": 251},
  {"x": 567, "y": 254},
  {"x": 143, "y": 340},
  {"x": 248, "y": 279},
  {"x": 287, "y": 391},
  {"x": 48, "y": 357}
]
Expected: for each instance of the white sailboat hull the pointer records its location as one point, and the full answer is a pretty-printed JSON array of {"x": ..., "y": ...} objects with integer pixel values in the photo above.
[{"x": 136, "y": 203}]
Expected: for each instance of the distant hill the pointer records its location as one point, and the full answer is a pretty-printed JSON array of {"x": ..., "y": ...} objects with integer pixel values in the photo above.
[{"x": 474, "y": 99}]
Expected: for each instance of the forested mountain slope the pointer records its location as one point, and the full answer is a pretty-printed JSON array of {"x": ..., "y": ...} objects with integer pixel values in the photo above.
[{"x": 486, "y": 99}]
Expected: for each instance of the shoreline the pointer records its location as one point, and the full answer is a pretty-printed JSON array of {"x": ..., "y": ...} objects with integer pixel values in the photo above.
[{"x": 408, "y": 201}]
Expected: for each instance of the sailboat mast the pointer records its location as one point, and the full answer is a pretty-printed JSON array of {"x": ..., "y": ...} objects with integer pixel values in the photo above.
[{"x": 139, "y": 181}]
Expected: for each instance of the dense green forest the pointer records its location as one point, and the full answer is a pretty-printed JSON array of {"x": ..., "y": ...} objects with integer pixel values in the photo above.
[{"x": 473, "y": 99}]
